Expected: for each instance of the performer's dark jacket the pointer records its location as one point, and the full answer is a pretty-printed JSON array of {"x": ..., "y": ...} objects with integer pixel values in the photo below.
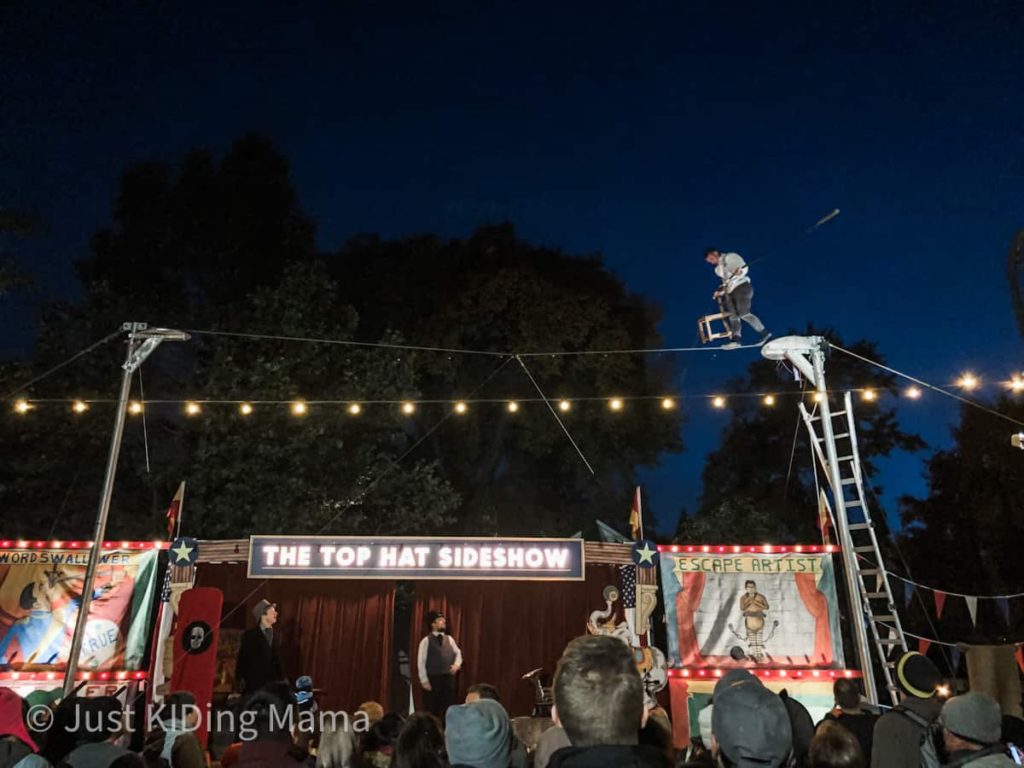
[{"x": 258, "y": 661}]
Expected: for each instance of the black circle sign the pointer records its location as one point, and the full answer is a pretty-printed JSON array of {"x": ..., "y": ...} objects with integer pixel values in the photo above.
[{"x": 197, "y": 638}]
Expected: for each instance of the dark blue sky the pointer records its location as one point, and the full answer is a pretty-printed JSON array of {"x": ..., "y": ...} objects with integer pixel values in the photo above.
[{"x": 644, "y": 131}]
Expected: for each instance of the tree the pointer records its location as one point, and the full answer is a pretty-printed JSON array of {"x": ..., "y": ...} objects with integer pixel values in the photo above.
[
  {"x": 520, "y": 473},
  {"x": 974, "y": 514},
  {"x": 760, "y": 484},
  {"x": 223, "y": 244}
]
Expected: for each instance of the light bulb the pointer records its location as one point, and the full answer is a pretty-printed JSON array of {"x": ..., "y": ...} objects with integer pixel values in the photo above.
[
  {"x": 299, "y": 408},
  {"x": 512, "y": 407},
  {"x": 668, "y": 403},
  {"x": 461, "y": 407},
  {"x": 615, "y": 404},
  {"x": 564, "y": 406}
]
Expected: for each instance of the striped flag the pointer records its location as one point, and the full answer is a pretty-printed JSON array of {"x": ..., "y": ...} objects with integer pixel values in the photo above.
[
  {"x": 636, "y": 517},
  {"x": 174, "y": 511}
]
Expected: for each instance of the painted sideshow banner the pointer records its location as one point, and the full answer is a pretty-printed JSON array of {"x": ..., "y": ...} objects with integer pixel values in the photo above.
[
  {"x": 41, "y": 591},
  {"x": 741, "y": 610}
]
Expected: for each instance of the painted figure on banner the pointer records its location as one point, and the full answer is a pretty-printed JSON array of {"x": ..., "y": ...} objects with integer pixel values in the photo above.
[
  {"x": 753, "y": 606},
  {"x": 650, "y": 661}
]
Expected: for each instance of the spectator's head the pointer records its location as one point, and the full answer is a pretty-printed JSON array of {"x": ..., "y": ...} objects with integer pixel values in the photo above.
[
  {"x": 847, "y": 694},
  {"x": 180, "y": 710},
  {"x": 337, "y": 745},
  {"x": 383, "y": 735},
  {"x": 99, "y": 718},
  {"x": 835, "y": 747},
  {"x": 265, "y": 613},
  {"x": 478, "y": 735},
  {"x": 711, "y": 255},
  {"x": 704, "y": 723},
  {"x": 750, "y": 725},
  {"x": 13, "y": 710},
  {"x": 304, "y": 691},
  {"x": 972, "y": 721},
  {"x": 373, "y": 710},
  {"x": 482, "y": 691},
  {"x": 599, "y": 697},
  {"x": 271, "y": 707},
  {"x": 917, "y": 675},
  {"x": 657, "y": 733},
  {"x": 436, "y": 621},
  {"x": 420, "y": 743}
]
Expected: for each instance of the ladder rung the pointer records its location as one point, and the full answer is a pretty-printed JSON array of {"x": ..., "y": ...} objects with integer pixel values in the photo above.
[
  {"x": 878, "y": 617},
  {"x": 889, "y": 641},
  {"x": 876, "y": 595},
  {"x": 854, "y": 503},
  {"x": 869, "y": 571},
  {"x": 850, "y": 457},
  {"x": 863, "y": 549},
  {"x": 841, "y": 435},
  {"x": 859, "y": 526},
  {"x": 848, "y": 481},
  {"x": 834, "y": 414}
]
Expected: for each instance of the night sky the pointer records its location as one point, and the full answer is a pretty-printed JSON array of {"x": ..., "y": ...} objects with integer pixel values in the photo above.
[{"x": 643, "y": 131}]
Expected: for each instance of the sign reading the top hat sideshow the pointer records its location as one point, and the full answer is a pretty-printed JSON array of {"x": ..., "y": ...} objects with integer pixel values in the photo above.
[{"x": 366, "y": 557}]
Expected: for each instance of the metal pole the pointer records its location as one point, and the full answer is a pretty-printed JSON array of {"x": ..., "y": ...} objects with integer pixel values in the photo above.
[
  {"x": 860, "y": 635},
  {"x": 101, "y": 519}
]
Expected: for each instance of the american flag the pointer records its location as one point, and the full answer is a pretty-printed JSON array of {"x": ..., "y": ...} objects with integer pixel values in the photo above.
[{"x": 628, "y": 579}]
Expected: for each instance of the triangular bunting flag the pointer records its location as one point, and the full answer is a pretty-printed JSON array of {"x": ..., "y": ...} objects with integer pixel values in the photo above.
[
  {"x": 923, "y": 646},
  {"x": 940, "y": 601},
  {"x": 1004, "y": 608},
  {"x": 908, "y": 593},
  {"x": 1019, "y": 655},
  {"x": 972, "y": 608},
  {"x": 954, "y": 655}
]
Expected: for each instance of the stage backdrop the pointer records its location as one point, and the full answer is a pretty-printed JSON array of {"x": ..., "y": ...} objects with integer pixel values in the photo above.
[
  {"x": 746, "y": 609},
  {"x": 507, "y": 628},
  {"x": 339, "y": 632},
  {"x": 41, "y": 591}
]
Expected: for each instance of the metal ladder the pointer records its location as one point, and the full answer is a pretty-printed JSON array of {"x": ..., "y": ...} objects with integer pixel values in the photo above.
[{"x": 876, "y": 596}]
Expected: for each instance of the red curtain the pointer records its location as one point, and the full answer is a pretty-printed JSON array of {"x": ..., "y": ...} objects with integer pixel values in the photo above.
[
  {"x": 817, "y": 605},
  {"x": 507, "y": 628},
  {"x": 687, "y": 601},
  {"x": 338, "y": 631}
]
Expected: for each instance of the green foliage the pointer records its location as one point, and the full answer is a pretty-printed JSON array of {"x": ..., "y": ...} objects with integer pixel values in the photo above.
[
  {"x": 224, "y": 245},
  {"x": 765, "y": 461},
  {"x": 974, "y": 512}
]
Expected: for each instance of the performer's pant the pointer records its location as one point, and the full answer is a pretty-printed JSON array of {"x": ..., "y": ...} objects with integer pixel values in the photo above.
[
  {"x": 738, "y": 303},
  {"x": 440, "y": 696}
]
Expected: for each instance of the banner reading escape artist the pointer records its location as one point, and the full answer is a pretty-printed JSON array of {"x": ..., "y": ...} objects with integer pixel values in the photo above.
[
  {"x": 41, "y": 591},
  {"x": 773, "y": 610},
  {"x": 364, "y": 557}
]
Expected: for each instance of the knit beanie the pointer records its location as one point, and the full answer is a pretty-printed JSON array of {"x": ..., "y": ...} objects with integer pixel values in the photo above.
[
  {"x": 917, "y": 675},
  {"x": 478, "y": 734}
]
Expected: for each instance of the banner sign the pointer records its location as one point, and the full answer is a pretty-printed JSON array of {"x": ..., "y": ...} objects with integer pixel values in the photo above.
[
  {"x": 742, "y": 610},
  {"x": 358, "y": 557},
  {"x": 195, "y": 647},
  {"x": 40, "y": 594}
]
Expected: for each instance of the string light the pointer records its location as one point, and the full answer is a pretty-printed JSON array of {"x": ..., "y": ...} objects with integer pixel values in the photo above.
[
  {"x": 1017, "y": 383},
  {"x": 818, "y": 397},
  {"x": 22, "y": 406},
  {"x": 615, "y": 403},
  {"x": 512, "y": 407},
  {"x": 79, "y": 406},
  {"x": 913, "y": 393},
  {"x": 564, "y": 406},
  {"x": 192, "y": 408},
  {"x": 245, "y": 409},
  {"x": 769, "y": 400},
  {"x": 355, "y": 409},
  {"x": 135, "y": 407},
  {"x": 869, "y": 395},
  {"x": 408, "y": 408},
  {"x": 461, "y": 407},
  {"x": 718, "y": 401},
  {"x": 299, "y": 408},
  {"x": 667, "y": 403},
  {"x": 968, "y": 381}
]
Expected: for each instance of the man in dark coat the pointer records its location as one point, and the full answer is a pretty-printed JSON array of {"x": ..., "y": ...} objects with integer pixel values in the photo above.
[
  {"x": 258, "y": 662},
  {"x": 896, "y": 742}
]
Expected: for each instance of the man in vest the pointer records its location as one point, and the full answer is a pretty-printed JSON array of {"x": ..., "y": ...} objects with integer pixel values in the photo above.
[
  {"x": 735, "y": 295},
  {"x": 438, "y": 661}
]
